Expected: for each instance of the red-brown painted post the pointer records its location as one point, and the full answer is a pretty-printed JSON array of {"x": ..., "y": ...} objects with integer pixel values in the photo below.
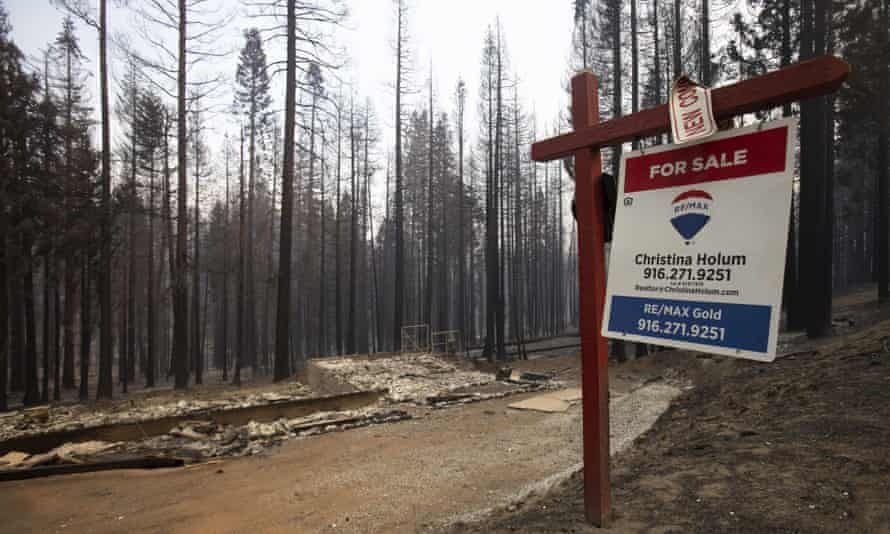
[{"x": 592, "y": 294}]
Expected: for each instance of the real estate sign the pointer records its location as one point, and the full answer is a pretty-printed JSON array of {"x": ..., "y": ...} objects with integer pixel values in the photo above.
[{"x": 698, "y": 253}]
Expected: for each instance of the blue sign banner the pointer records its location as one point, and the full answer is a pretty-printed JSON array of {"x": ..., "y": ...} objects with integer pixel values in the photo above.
[{"x": 727, "y": 325}]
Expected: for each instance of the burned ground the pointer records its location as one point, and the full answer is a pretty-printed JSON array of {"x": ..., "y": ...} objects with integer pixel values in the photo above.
[{"x": 796, "y": 446}]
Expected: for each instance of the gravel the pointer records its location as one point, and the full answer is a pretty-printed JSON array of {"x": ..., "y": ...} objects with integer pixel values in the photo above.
[{"x": 630, "y": 415}]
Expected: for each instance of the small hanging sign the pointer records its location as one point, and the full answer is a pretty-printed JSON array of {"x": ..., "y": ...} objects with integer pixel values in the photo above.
[{"x": 692, "y": 115}]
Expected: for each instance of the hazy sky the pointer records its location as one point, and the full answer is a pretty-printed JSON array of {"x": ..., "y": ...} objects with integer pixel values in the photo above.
[
  {"x": 449, "y": 32},
  {"x": 537, "y": 34}
]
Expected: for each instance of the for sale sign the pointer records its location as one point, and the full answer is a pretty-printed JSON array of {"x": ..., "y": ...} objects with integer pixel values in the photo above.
[{"x": 698, "y": 253}]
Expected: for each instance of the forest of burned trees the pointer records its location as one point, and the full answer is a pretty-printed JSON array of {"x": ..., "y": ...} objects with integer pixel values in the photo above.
[{"x": 166, "y": 236}]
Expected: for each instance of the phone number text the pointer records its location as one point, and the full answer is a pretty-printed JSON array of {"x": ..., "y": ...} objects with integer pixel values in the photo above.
[{"x": 679, "y": 329}]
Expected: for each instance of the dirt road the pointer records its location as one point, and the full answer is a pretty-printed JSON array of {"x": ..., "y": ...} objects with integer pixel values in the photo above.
[{"x": 406, "y": 477}]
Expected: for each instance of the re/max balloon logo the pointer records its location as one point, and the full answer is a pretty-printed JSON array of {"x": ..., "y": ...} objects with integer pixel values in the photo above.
[{"x": 691, "y": 212}]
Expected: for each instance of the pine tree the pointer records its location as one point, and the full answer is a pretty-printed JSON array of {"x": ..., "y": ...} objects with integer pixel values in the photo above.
[
  {"x": 582, "y": 27},
  {"x": 149, "y": 127},
  {"x": 242, "y": 270},
  {"x": 253, "y": 100},
  {"x": 353, "y": 230},
  {"x": 70, "y": 80},
  {"x": 402, "y": 54},
  {"x": 180, "y": 284},
  {"x": 200, "y": 155},
  {"x": 460, "y": 101},
  {"x": 46, "y": 137},
  {"x": 428, "y": 298},
  {"x": 491, "y": 92},
  {"x": 126, "y": 110},
  {"x": 16, "y": 112},
  {"x": 315, "y": 85},
  {"x": 864, "y": 127},
  {"x": 84, "y": 11},
  {"x": 338, "y": 301},
  {"x": 223, "y": 347}
]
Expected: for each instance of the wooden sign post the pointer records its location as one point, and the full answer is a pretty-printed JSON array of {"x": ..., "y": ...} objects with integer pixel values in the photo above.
[{"x": 808, "y": 79}]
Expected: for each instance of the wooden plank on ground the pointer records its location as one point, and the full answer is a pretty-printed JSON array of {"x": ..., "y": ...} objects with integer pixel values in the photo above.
[
  {"x": 137, "y": 462},
  {"x": 541, "y": 403}
]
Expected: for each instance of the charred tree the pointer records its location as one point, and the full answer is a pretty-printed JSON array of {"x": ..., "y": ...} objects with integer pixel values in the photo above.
[
  {"x": 401, "y": 66},
  {"x": 282, "y": 325}
]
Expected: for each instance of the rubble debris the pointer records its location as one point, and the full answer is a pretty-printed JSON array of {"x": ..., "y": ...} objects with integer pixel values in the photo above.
[
  {"x": 13, "y": 459},
  {"x": 275, "y": 397},
  {"x": 503, "y": 373},
  {"x": 265, "y": 430},
  {"x": 40, "y": 459},
  {"x": 254, "y": 437},
  {"x": 69, "y": 453},
  {"x": 48, "y": 419},
  {"x": 449, "y": 398},
  {"x": 194, "y": 452},
  {"x": 201, "y": 426},
  {"x": 195, "y": 430},
  {"x": 207, "y": 420},
  {"x": 534, "y": 377},
  {"x": 304, "y": 426},
  {"x": 39, "y": 414},
  {"x": 227, "y": 436},
  {"x": 408, "y": 377},
  {"x": 526, "y": 377},
  {"x": 73, "y": 452},
  {"x": 188, "y": 433}
]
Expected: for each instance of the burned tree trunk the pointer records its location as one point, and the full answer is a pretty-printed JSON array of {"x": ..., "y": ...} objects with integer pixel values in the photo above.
[
  {"x": 32, "y": 391},
  {"x": 86, "y": 327},
  {"x": 282, "y": 324},
  {"x": 4, "y": 316}
]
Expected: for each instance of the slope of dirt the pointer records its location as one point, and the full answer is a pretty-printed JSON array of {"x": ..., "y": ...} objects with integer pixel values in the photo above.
[{"x": 796, "y": 446}]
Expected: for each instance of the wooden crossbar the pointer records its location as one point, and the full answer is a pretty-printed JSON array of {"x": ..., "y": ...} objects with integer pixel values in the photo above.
[{"x": 808, "y": 79}]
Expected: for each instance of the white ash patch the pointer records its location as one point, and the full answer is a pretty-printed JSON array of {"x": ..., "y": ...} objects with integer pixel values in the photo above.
[
  {"x": 408, "y": 377},
  {"x": 47, "y": 419}
]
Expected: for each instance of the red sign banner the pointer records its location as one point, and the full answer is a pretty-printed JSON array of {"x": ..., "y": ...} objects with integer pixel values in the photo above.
[{"x": 736, "y": 157}]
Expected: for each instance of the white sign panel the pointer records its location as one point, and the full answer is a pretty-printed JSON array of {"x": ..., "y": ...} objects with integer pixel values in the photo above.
[{"x": 698, "y": 252}]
